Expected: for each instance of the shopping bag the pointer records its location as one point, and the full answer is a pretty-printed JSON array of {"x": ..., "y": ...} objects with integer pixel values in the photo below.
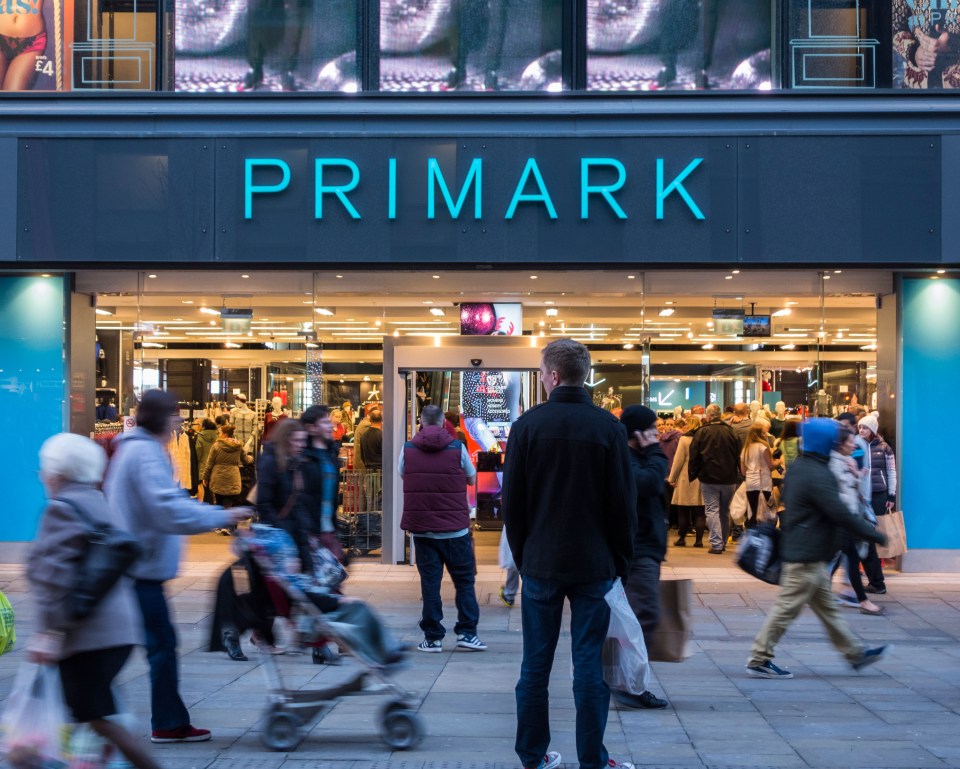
[
  {"x": 738, "y": 505},
  {"x": 33, "y": 721},
  {"x": 891, "y": 524},
  {"x": 504, "y": 554},
  {"x": 758, "y": 553},
  {"x": 8, "y": 634},
  {"x": 669, "y": 642},
  {"x": 624, "y": 656}
]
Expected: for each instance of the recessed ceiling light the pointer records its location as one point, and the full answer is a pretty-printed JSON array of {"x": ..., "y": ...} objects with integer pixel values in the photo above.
[
  {"x": 45, "y": 275},
  {"x": 437, "y": 311},
  {"x": 629, "y": 346},
  {"x": 728, "y": 277},
  {"x": 549, "y": 301},
  {"x": 376, "y": 323},
  {"x": 668, "y": 302},
  {"x": 396, "y": 333},
  {"x": 792, "y": 304},
  {"x": 940, "y": 272},
  {"x": 244, "y": 276},
  {"x": 790, "y": 346},
  {"x": 552, "y": 312},
  {"x": 837, "y": 272},
  {"x": 102, "y": 311},
  {"x": 666, "y": 312},
  {"x": 707, "y": 346},
  {"x": 533, "y": 277},
  {"x": 436, "y": 277},
  {"x": 186, "y": 301},
  {"x": 427, "y": 301},
  {"x": 734, "y": 272},
  {"x": 826, "y": 277},
  {"x": 339, "y": 276},
  {"x": 327, "y": 311},
  {"x": 151, "y": 276},
  {"x": 631, "y": 277},
  {"x": 781, "y": 313}
]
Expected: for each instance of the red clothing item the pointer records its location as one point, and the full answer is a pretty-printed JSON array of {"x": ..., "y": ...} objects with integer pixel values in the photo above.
[{"x": 269, "y": 422}]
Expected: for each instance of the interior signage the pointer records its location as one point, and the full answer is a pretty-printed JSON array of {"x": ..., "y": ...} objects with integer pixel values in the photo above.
[{"x": 600, "y": 180}]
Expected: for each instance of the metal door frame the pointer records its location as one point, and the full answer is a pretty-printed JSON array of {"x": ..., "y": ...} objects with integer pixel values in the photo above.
[{"x": 403, "y": 356}]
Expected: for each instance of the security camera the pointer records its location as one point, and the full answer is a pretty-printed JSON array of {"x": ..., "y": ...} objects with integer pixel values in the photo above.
[{"x": 476, "y": 361}]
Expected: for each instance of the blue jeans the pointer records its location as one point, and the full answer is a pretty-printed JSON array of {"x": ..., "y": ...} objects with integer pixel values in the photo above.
[
  {"x": 457, "y": 555},
  {"x": 167, "y": 710},
  {"x": 542, "y": 611},
  {"x": 716, "y": 501}
]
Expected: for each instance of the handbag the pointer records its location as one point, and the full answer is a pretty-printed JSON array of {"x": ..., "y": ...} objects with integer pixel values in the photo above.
[
  {"x": 893, "y": 527},
  {"x": 109, "y": 554},
  {"x": 738, "y": 505},
  {"x": 670, "y": 641},
  {"x": 626, "y": 667},
  {"x": 758, "y": 553},
  {"x": 328, "y": 572},
  {"x": 8, "y": 633}
]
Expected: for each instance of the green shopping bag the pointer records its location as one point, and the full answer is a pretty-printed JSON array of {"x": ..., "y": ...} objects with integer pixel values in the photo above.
[{"x": 8, "y": 636}]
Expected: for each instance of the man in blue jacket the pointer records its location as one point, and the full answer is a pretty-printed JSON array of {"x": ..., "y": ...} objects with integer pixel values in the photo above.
[
  {"x": 811, "y": 527},
  {"x": 570, "y": 513}
]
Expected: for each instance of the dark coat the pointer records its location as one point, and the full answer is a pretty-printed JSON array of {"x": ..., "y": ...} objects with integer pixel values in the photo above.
[
  {"x": 280, "y": 504},
  {"x": 568, "y": 497},
  {"x": 434, "y": 483},
  {"x": 815, "y": 517},
  {"x": 669, "y": 442},
  {"x": 715, "y": 454},
  {"x": 649, "y": 466}
]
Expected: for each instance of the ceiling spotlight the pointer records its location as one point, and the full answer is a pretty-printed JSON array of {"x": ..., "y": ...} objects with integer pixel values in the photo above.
[
  {"x": 244, "y": 276},
  {"x": 209, "y": 311},
  {"x": 339, "y": 276},
  {"x": 728, "y": 277},
  {"x": 186, "y": 301},
  {"x": 533, "y": 277},
  {"x": 669, "y": 302},
  {"x": 552, "y": 312},
  {"x": 940, "y": 272},
  {"x": 628, "y": 346},
  {"x": 396, "y": 333},
  {"x": 326, "y": 311},
  {"x": 437, "y": 311},
  {"x": 103, "y": 311},
  {"x": 707, "y": 346},
  {"x": 667, "y": 312},
  {"x": 734, "y": 272},
  {"x": 377, "y": 323},
  {"x": 631, "y": 277},
  {"x": 231, "y": 345},
  {"x": 781, "y": 313},
  {"x": 837, "y": 272},
  {"x": 436, "y": 277},
  {"x": 826, "y": 277},
  {"x": 790, "y": 346},
  {"x": 542, "y": 324},
  {"x": 151, "y": 276}
]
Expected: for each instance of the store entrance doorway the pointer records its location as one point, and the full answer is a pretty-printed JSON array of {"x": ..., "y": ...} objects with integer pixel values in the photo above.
[{"x": 486, "y": 382}]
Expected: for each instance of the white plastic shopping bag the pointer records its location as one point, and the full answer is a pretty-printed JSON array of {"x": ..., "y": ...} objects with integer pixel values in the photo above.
[
  {"x": 626, "y": 667},
  {"x": 504, "y": 554},
  {"x": 738, "y": 505},
  {"x": 32, "y": 725}
]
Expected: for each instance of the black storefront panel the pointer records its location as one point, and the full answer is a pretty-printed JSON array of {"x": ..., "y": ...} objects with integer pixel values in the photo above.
[
  {"x": 568, "y": 200},
  {"x": 115, "y": 200},
  {"x": 872, "y": 199}
]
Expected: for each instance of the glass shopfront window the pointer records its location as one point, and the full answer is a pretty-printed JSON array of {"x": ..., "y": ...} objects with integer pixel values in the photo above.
[
  {"x": 78, "y": 45},
  {"x": 266, "y": 45},
  {"x": 471, "y": 45},
  {"x": 649, "y": 45}
]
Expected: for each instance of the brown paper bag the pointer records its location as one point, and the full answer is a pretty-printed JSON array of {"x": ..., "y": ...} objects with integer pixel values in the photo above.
[
  {"x": 891, "y": 524},
  {"x": 669, "y": 642}
]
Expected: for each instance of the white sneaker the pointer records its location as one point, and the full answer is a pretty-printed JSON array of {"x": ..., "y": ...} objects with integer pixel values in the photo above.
[
  {"x": 549, "y": 761},
  {"x": 614, "y": 764}
]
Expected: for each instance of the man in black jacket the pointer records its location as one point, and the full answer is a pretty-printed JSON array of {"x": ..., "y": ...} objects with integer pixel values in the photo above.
[
  {"x": 642, "y": 586},
  {"x": 715, "y": 462},
  {"x": 570, "y": 514},
  {"x": 811, "y": 528}
]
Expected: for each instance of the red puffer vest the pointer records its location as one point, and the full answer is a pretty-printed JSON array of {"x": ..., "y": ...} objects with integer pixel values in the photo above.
[{"x": 434, "y": 484}]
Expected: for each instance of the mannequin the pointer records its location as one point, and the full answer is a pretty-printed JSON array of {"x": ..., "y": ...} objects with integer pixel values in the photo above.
[
  {"x": 778, "y": 418},
  {"x": 610, "y": 401},
  {"x": 754, "y": 409},
  {"x": 273, "y": 417},
  {"x": 823, "y": 404},
  {"x": 243, "y": 419}
]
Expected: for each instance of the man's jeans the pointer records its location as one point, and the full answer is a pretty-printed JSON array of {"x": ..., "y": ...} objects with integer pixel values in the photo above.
[
  {"x": 542, "y": 612},
  {"x": 457, "y": 555},
  {"x": 716, "y": 501},
  {"x": 166, "y": 708}
]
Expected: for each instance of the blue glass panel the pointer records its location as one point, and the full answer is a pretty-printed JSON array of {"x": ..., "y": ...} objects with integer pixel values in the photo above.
[
  {"x": 31, "y": 393},
  {"x": 930, "y": 328}
]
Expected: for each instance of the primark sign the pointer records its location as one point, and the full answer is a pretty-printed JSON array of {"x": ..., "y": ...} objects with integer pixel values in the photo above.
[{"x": 599, "y": 186}]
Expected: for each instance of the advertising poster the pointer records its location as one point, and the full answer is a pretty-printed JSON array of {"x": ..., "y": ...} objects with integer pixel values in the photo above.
[
  {"x": 265, "y": 45},
  {"x": 32, "y": 44},
  {"x": 926, "y": 44},
  {"x": 650, "y": 45},
  {"x": 486, "y": 319}
]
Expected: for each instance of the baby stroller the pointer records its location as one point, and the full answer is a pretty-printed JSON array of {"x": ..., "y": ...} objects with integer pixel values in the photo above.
[{"x": 401, "y": 727}]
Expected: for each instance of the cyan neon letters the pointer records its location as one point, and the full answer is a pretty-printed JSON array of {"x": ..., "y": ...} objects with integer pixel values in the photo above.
[
  {"x": 519, "y": 197},
  {"x": 435, "y": 179},
  {"x": 677, "y": 186},
  {"x": 392, "y": 189},
  {"x": 250, "y": 189},
  {"x": 587, "y": 189},
  {"x": 340, "y": 190}
]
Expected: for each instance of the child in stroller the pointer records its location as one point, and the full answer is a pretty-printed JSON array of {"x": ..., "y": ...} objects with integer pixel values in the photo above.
[{"x": 321, "y": 613}]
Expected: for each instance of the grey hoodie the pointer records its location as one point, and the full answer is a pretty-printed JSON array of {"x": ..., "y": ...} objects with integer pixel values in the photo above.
[{"x": 140, "y": 486}]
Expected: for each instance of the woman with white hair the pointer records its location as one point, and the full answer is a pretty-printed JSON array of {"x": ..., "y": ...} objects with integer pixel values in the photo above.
[{"x": 89, "y": 653}]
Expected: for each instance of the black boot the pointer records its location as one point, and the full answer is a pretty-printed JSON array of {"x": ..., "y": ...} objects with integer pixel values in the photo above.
[
  {"x": 253, "y": 78},
  {"x": 232, "y": 644},
  {"x": 681, "y": 542}
]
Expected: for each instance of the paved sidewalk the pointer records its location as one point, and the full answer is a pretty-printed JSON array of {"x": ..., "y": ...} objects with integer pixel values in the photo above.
[{"x": 902, "y": 713}]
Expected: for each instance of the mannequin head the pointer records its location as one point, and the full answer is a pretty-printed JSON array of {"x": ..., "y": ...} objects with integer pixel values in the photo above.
[
  {"x": 241, "y": 400},
  {"x": 277, "y": 406},
  {"x": 780, "y": 409}
]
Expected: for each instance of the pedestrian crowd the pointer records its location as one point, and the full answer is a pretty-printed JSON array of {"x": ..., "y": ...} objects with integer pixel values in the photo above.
[{"x": 588, "y": 498}]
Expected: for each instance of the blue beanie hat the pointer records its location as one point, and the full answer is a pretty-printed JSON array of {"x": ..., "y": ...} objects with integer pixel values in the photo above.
[{"x": 819, "y": 436}]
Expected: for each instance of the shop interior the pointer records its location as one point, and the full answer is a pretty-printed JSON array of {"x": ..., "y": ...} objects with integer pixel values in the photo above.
[{"x": 818, "y": 340}]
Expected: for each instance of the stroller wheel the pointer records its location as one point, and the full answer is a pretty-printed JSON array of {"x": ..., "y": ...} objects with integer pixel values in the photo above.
[
  {"x": 400, "y": 728},
  {"x": 281, "y": 731}
]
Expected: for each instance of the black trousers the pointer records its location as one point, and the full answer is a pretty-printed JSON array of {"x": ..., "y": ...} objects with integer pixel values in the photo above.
[
  {"x": 871, "y": 564},
  {"x": 691, "y": 517},
  {"x": 643, "y": 593}
]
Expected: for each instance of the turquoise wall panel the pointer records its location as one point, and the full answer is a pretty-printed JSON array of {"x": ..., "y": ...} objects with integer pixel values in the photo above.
[{"x": 31, "y": 393}]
